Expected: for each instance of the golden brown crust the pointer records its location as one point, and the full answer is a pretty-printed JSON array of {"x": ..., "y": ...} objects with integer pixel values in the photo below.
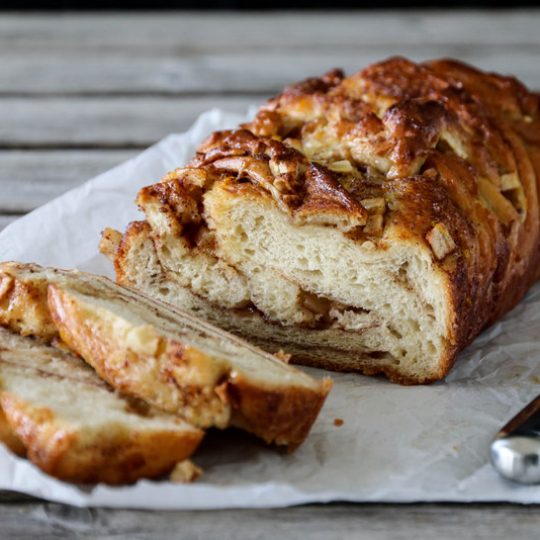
[
  {"x": 119, "y": 458},
  {"x": 42, "y": 417},
  {"x": 453, "y": 154},
  {"x": 9, "y": 437},
  {"x": 110, "y": 239},
  {"x": 282, "y": 418},
  {"x": 307, "y": 191},
  {"x": 23, "y": 307},
  {"x": 121, "y": 254}
]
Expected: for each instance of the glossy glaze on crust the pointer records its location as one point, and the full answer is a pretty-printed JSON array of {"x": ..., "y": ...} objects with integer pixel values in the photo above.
[
  {"x": 437, "y": 154},
  {"x": 459, "y": 128}
]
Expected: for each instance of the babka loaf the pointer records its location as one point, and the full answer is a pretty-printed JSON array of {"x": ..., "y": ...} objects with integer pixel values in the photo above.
[{"x": 376, "y": 222}]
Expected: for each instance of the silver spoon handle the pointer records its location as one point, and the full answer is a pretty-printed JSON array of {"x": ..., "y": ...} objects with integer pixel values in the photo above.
[{"x": 515, "y": 451}]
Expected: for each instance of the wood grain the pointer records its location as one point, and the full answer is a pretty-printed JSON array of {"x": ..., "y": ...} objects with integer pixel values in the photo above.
[
  {"x": 253, "y": 70},
  {"x": 212, "y": 32},
  {"x": 245, "y": 53},
  {"x": 31, "y": 178},
  {"x": 316, "y": 522},
  {"x": 102, "y": 122}
]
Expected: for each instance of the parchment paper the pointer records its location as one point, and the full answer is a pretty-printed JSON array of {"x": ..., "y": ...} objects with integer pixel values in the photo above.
[{"x": 427, "y": 443}]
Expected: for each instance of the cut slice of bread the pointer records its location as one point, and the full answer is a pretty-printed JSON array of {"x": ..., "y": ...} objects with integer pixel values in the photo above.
[
  {"x": 136, "y": 249},
  {"x": 165, "y": 356},
  {"x": 72, "y": 425}
]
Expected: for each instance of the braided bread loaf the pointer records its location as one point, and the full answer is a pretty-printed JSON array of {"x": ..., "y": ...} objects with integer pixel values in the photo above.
[{"x": 375, "y": 223}]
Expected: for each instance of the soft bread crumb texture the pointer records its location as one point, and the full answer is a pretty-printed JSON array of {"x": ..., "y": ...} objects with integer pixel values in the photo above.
[{"x": 376, "y": 222}]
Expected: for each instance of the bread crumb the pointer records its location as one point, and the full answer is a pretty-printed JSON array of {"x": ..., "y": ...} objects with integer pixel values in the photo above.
[
  {"x": 338, "y": 422},
  {"x": 343, "y": 166},
  {"x": 184, "y": 472},
  {"x": 283, "y": 356},
  {"x": 374, "y": 205},
  {"x": 441, "y": 241},
  {"x": 110, "y": 240}
]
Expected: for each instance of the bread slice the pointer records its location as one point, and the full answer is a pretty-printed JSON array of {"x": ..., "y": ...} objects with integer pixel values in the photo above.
[
  {"x": 376, "y": 222},
  {"x": 136, "y": 249},
  {"x": 72, "y": 425},
  {"x": 165, "y": 356}
]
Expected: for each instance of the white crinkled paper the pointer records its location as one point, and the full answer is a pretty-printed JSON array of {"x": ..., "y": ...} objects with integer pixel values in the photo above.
[{"x": 425, "y": 443}]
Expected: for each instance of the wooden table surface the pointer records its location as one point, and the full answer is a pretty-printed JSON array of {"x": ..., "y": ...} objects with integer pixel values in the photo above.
[{"x": 80, "y": 93}]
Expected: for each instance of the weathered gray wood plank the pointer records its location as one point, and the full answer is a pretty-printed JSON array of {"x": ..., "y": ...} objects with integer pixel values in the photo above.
[
  {"x": 112, "y": 122},
  {"x": 176, "y": 53},
  {"x": 29, "y": 179},
  {"x": 236, "y": 30},
  {"x": 248, "y": 71},
  {"x": 343, "y": 521}
]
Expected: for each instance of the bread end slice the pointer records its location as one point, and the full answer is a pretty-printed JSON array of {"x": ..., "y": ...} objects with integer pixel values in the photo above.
[{"x": 73, "y": 426}]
